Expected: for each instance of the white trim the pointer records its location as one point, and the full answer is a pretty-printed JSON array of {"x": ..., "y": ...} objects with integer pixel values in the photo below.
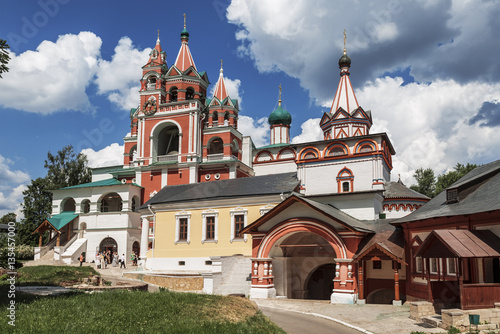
[
  {"x": 204, "y": 215},
  {"x": 237, "y": 212},
  {"x": 178, "y": 216},
  {"x": 266, "y": 209},
  {"x": 448, "y": 272}
]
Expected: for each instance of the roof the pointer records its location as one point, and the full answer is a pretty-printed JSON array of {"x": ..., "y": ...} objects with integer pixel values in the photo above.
[
  {"x": 220, "y": 87},
  {"x": 389, "y": 242},
  {"x": 399, "y": 190},
  {"x": 326, "y": 209},
  {"x": 461, "y": 244},
  {"x": 58, "y": 221},
  {"x": 101, "y": 183},
  {"x": 184, "y": 58},
  {"x": 344, "y": 96},
  {"x": 240, "y": 187},
  {"x": 478, "y": 192}
]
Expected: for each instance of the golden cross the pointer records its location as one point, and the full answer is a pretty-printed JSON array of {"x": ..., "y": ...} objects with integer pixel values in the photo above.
[
  {"x": 279, "y": 101},
  {"x": 345, "y": 36},
  {"x": 221, "y": 64},
  {"x": 184, "y": 20}
]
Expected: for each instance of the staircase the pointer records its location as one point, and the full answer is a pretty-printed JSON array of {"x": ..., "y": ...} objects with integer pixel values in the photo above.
[
  {"x": 235, "y": 276},
  {"x": 47, "y": 259},
  {"x": 72, "y": 253}
]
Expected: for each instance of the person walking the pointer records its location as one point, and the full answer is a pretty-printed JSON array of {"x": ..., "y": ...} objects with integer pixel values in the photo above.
[
  {"x": 81, "y": 259},
  {"x": 122, "y": 262}
]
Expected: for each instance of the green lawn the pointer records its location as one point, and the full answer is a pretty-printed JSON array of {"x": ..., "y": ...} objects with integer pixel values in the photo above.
[{"x": 131, "y": 312}]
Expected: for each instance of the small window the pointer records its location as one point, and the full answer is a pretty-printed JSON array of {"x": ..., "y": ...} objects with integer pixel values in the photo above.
[
  {"x": 451, "y": 266},
  {"x": 239, "y": 224},
  {"x": 451, "y": 196},
  {"x": 86, "y": 206},
  {"x": 434, "y": 265},
  {"x": 183, "y": 229},
  {"x": 418, "y": 265},
  {"x": 182, "y": 263},
  {"x": 336, "y": 151},
  {"x": 345, "y": 187},
  {"x": 134, "y": 204},
  {"x": 366, "y": 148},
  {"x": 377, "y": 264},
  {"x": 208, "y": 263},
  {"x": 173, "y": 95},
  {"x": 210, "y": 228}
]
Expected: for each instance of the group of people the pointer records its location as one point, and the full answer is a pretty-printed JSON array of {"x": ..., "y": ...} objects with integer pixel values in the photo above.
[{"x": 102, "y": 259}]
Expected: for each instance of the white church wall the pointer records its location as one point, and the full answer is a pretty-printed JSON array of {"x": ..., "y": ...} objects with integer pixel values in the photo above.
[{"x": 275, "y": 167}]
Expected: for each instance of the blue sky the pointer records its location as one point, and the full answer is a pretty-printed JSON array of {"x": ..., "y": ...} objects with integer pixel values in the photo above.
[{"x": 428, "y": 70}]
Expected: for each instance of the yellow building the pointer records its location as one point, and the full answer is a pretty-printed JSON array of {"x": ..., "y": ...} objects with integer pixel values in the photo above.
[{"x": 195, "y": 227}]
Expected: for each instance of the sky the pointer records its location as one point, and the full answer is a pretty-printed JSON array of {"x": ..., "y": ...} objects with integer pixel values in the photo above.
[{"x": 428, "y": 70}]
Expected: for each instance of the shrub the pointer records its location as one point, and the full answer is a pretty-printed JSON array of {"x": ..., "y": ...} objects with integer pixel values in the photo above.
[{"x": 453, "y": 330}]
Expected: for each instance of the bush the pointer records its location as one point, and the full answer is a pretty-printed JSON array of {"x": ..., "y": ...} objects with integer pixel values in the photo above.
[
  {"x": 4, "y": 257},
  {"x": 25, "y": 252},
  {"x": 453, "y": 330}
]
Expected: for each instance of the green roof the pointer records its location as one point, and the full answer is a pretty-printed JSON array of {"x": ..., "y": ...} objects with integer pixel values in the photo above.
[
  {"x": 280, "y": 117},
  {"x": 62, "y": 219},
  {"x": 274, "y": 145},
  {"x": 101, "y": 183}
]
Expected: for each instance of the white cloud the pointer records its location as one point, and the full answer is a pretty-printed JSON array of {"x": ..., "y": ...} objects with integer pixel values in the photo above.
[
  {"x": 12, "y": 185},
  {"x": 54, "y": 77},
  {"x": 257, "y": 129},
  {"x": 111, "y": 155},
  {"x": 119, "y": 78},
  {"x": 310, "y": 131}
]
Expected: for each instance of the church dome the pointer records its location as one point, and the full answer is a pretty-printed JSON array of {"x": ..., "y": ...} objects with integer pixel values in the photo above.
[
  {"x": 344, "y": 61},
  {"x": 184, "y": 33},
  {"x": 280, "y": 117}
]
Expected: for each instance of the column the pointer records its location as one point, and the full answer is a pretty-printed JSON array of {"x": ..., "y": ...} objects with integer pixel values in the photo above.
[
  {"x": 343, "y": 283},
  {"x": 144, "y": 239},
  {"x": 40, "y": 239},
  {"x": 396, "y": 301},
  {"x": 262, "y": 279},
  {"x": 361, "y": 291}
]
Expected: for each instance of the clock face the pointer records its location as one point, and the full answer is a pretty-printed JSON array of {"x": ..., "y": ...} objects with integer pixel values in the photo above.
[{"x": 149, "y": 106}]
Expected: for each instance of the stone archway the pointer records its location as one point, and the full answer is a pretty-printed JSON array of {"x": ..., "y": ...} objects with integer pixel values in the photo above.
[
  {"x": 108, "y": 244},
  {"x": 319, "y": 285}
]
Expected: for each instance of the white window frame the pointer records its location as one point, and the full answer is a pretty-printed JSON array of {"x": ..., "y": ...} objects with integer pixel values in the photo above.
[
  {"x": 204, "y": 215},
  {"x": 238, "y": 212},
  {"x": 178, "y": 217},
  {"x": 448, "y": 266},
  {"x": 266, "y": 209},
  {"x": 420, "y": 260},
  {"x": 434, "y": 272}
]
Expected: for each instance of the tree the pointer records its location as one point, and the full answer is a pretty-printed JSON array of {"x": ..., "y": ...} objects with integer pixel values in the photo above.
[
  {"x": 66, "y": 169},
  {"x": 10, "y": 217},
  {"x": 447, "y": 179},
  {"x": 36, "y": 208},
  {"x": 426, "y": 182},
  {"x": 4, "y": 56}
]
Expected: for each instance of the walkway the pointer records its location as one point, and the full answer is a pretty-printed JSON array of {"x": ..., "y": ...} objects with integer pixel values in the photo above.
[{"x": 383, "y": 319}]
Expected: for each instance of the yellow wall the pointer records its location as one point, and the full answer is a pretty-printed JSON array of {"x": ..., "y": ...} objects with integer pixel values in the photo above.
[{"x": 165, "y": 246}]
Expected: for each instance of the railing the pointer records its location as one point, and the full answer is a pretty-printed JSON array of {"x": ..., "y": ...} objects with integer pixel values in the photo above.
[
  {"x": 151, "y": 86},
  {"x": 476, "y": 296},
  {"x": 215, "y": 157},
  {"x": 167, "y": 158}
]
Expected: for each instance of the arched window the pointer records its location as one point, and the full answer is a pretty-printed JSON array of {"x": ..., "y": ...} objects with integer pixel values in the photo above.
[
  {"x": 135, "y": 204},
  {"x": 85, "y": 206},
  {"x": 111, "y": 202},
  {"x": 216, "y": 146},
  {"x": 152, "y": 82},
  {"x": 345, "y": 180},
  {"x": 68, "y": 205},
  {"x": 226, "y": 118},
  {"x": 173, "y": 94},
  {"x": 215, "y": 118},
  {"x": 365, "y": 148},
  {"x": 189, "y": 93},
  {"x": 235, "y": 148}
]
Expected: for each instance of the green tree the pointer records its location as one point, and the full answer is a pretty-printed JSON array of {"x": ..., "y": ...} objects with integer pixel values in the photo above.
[
  {"x": 4, "y": 56},
  {"x": 447, "y": 179},
  {"x": 37, "y": 207},
  {"x": 10, "y": 217},
  {"x": 66, "y": 169},
  {"x": 426, "y": 182}
]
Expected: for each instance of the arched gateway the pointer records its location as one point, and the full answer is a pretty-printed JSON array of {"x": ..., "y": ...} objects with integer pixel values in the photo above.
[{"x": 304, "y": 257}]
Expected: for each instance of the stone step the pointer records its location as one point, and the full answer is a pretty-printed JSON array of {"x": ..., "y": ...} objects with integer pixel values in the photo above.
[{"x": 433, "y": 320}]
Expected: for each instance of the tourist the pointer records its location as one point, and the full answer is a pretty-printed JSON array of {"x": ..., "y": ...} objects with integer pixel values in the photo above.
[
  {"x": 115, "y": 259},
  {"x": 122, "y": 262},
  {"x": 81, "y": 259},
  {"x": 98, "y": 261}
]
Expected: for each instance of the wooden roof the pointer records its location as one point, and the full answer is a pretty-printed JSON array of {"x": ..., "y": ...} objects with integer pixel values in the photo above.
[
  {"x": 460, "y": 244},
  {"x": 389, "y": 243}
]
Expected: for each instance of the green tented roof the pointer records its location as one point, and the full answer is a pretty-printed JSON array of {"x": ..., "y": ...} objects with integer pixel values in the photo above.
[
  {"x": 62, "y": 219},
  {"x": 101, "y": 183}
]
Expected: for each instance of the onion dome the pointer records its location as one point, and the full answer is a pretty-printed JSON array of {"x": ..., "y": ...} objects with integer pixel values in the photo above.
[
  {"x": 280, "y": 117},
  {"x": 184, "y": 32},
  {"x": 344, "y": 61}
]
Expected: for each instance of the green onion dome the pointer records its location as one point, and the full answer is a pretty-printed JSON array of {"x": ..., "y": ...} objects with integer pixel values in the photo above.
[
  {"x": 280, "y": 117},
  {"x": 344, "y": 61}
]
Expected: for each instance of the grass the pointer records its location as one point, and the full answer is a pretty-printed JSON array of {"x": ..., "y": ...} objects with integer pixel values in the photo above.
[
  {"x": 127, "y": 311},
  {"x": 53, "y": 275}
]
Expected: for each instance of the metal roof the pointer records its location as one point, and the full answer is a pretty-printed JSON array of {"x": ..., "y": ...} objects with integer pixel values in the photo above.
[
  {"x": 247, "y": 186},
  {"x": 399, "y": 190},
  {"x": 460, "y": 243},
  {"x": 101, "y": 183},
  {"x": 478, "y": 192}
]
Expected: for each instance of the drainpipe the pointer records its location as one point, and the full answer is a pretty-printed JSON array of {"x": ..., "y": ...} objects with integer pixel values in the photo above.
[{"x": 154, "y": 232}]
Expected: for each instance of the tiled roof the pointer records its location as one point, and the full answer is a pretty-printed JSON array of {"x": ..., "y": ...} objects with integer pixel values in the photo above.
[{"x": 398, "y": 190}]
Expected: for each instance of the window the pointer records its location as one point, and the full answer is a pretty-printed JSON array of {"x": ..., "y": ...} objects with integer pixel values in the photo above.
[
  {"x": 134, "y": 204},
  {"x": 451, "y": 266},
  {"x": 418, "y": 265},
  {"x": 189, "y": 93},
  {"x": 398, "y": 265},
  {"x": 239, "y": 224},
  {"x": 377, "y": 264},
  {"x": 173, "y": 94},
  {"x": 111, "y": 203},
  {"x": 433, "y": 265},
  {"x": 345, "y": 187},
  {"x": 210, "y": 228},
  {"x": 216, "y": 146},
  {"x": 86, "y": 206},
  {"x": 208, "y": 263},
  {"x": 182, "y": 263},
  {"x": 182, "y": 227}
]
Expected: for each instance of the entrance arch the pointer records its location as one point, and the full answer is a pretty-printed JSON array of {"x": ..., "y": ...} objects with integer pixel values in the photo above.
[
  {"x": 108, "y": 244},
  {"x": 303, "y": 253},
  {"x": 136, "y": 248}
]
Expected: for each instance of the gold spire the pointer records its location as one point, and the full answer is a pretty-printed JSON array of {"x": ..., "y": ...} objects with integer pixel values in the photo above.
[
  {"x": 184, "y": 20},
  {"x": 345, "y": 36},
  {"x": 279, "y": 101},
  {"x": 158, "y": 40},
  {"x": 221, "y": 64}
]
